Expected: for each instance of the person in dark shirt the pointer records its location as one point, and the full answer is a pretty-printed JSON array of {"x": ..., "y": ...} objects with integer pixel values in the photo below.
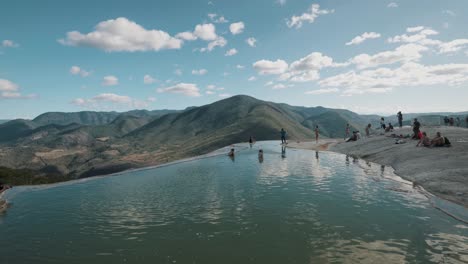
[
  {"x": 416, "y": 126},
  {"x": 283, "y": 136},
  {"x": 400, "y": 119}
]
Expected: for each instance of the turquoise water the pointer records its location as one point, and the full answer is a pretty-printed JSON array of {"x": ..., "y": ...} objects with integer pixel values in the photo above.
[{"x": 299, "y": 207}]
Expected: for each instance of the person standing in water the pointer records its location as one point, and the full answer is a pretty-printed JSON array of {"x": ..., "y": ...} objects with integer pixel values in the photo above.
[
  {"x": 316, "y": 134},
  {"x": 400, "y": 119},
  {"x": 347, "y": 131},
  {"x": 283, "y": 136}
]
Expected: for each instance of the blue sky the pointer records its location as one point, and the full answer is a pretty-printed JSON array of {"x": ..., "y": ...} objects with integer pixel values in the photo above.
[{"x": 367, "y": 56}]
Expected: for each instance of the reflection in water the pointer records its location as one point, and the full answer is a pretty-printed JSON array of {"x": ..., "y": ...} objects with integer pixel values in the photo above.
[
  {"x": 297, "y": 209},
  {"x": 316, "y": 155},
  {"x": 283, "y": 152}
]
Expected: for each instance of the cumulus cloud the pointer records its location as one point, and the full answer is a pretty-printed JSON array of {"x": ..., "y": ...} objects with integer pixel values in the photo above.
[
  {"x": 9, "y": 44},
  {"x": 310, "y": 16},
  {"x": 110, "y": 100},
  {"x": 251, "y": 42},
  {"x": 303, "y": 70},
  {"x": 237, "y": 28},
  {"x": 186, "y": 36},
  {"x": 323, "y": 91},
  {"x": 209, "y": 92},
  {"x": 187, "y": 89},
  {"x": 403, "y": 53},
  {"x": 75, "y": 70},
  {"x": 148, "y": 79},
  {"x": 231, "y": 52},
  {"x": 121, "y": 34},
  {"x": 11, "y": 90},
  {"x": 392, "y": 5},
  {"x": 218, "y": 42},
  {"x": 366, "y": 35},
  {"x": 200, "y": 72},
  {"x": 205, "y": 32},
  {"x": 383, "y": 80},
  {"x": 420, "y": 35},
  {"x": 213, "y": 87},
  {"x": 110, "y": 80},
  {"x": 266, "y": 67}
]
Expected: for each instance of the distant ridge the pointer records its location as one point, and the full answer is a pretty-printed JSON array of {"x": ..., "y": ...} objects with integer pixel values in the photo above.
[{"x": 72, "y": 145}]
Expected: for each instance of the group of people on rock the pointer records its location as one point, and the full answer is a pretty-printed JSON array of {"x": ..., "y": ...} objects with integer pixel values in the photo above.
[
  {"x": 450, "y": 121},
  {"x": 437, "y": 141}
]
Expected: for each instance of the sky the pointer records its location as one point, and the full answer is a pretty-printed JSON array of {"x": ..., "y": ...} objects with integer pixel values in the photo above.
[{"x": 368, "y": 56}]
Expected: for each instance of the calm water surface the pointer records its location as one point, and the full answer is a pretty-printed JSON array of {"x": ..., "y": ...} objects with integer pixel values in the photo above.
[{"x": 299, "y": 207}]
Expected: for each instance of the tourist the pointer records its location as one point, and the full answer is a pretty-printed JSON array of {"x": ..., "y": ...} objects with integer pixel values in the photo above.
[
  {"x": 316, "y": 134},
  {"x": 368, "y": 130},
  {"x": 416, "y": 126},
  {"x": 231, "y": 153},
  {"x": 353, "y": 137},
  {"x": 260, "y": 155},
  {"x": 382, "y": 123},
  {"x": 424, "y": 141},
  {"x": 389, "y": 128},
  {"x": 446, "y": 120},
  {"x": 347, "y": 131},
  {"x": 283, "y": 136},
  {"x": 440, "y": 141},
  {"x": 451, "y": 121},
  {"x": 400, "y": 119}
]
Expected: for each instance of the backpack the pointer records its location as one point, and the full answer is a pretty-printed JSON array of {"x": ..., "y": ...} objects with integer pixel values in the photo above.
[{"x": 447, "y": 141}]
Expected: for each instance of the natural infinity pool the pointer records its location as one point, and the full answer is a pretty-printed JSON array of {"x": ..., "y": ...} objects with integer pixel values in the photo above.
[{"x": 304, "y": 207}]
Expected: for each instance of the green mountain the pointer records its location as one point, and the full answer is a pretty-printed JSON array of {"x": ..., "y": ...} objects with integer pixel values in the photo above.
[{"x": 73, "y": 145}]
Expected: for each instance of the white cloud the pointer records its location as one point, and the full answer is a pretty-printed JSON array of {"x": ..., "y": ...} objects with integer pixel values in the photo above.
[
  {"x": 148, "y": 79},
  {"x": 217, "y": 19},
  {"x": 10, "y": 90},
  {"x": 279, "y": 86},
  {"x": 178, "y": 72},
  {"x": 237, "y": 28},
  {"x": 420, "y": 36},
  {"x": 266, "y": 67},
  {"x": 392, "y": 5},
  {"x": 8, "y": 86},
  {"x": 224, "y": 95},
  {"x": 187, "y": 89},
  {"x": 209, "y": 92},
  {"x": 240, "y": 67},
  {"x": 9, "y": 44},
  {"x": 410, "y": 74},
  {"x": 453, "y": 46},
  {"x": 214, "y": 87},
  {"x": 219, "y": 42},
  {"x": 281, "y": 2},
  {"x": 323, "y": 91},
  {"x": 253, "y": 78},
  {"x": 251, "y": 42},
  {"x": 205, "y": 32},
  {"x": 199, "y": 72},
  {"x": 366, "y": 35},
  {"x": 110, "y": 80},
  {"x": 186, "y": 36},
  {"x": 231, "y": 52},
  {"x": 404, "y": 53},
  {"x": 449, "y": 12},
  {"x": 75, "y": 70},
  {"x": 110, "y": 100},
  {"x": 310, "y": 16},
  {"x": 122, "y": 34},
  {"x": 270, "y": 83}
]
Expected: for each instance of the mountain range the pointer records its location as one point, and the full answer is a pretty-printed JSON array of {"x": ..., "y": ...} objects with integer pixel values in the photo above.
[{"x": 59, "y": 146}]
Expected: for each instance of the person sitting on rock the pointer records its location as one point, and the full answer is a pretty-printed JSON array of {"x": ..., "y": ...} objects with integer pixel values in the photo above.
[
  {"x": 353, "y": 137},
  {"x": 424, "y": 141},
  {"x": 438, "y": 141}
]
